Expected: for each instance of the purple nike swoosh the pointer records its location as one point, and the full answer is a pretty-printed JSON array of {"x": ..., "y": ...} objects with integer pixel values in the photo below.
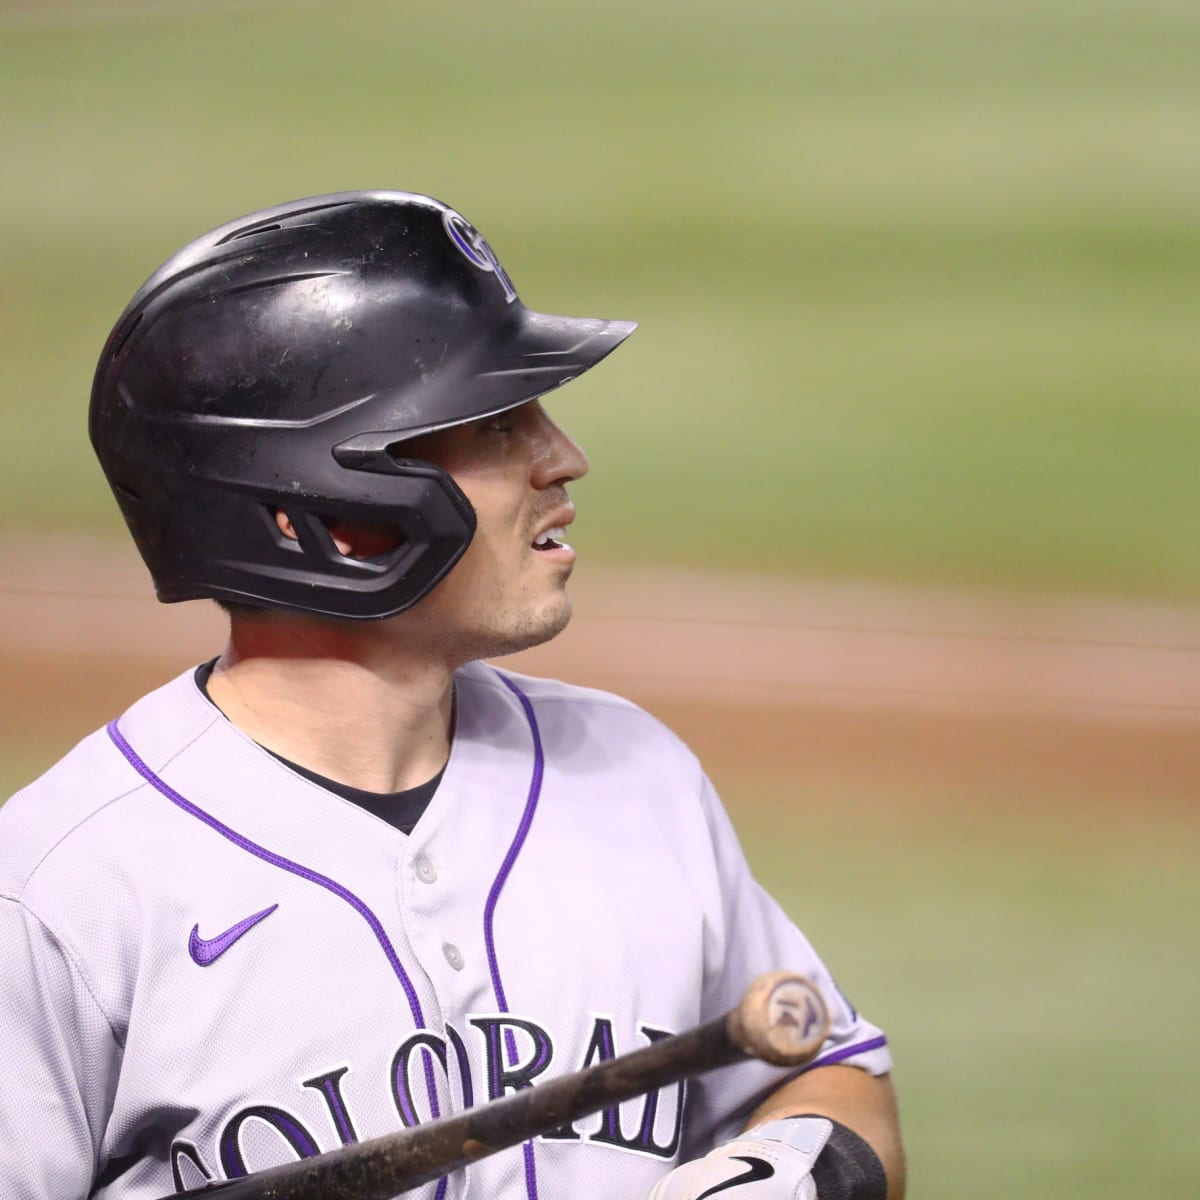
[
  {"x": 207, "y": 950},
  {"x": 759, "y": 1169}
]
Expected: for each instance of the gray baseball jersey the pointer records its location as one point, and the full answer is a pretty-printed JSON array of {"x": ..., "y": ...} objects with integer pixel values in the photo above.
[{"x": 212, "y": 965}]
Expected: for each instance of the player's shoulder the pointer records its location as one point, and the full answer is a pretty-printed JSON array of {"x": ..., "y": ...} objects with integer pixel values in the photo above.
[
  {"x": 577, "y": 714},
  {"x": 86, "y": 782},
  {"x": 41, "y": 815},
  {"x": 547, "y": 694}
]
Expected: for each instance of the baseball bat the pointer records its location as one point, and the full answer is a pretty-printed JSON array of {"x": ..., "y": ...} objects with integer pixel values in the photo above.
[{"x": 781, "y": 1019}]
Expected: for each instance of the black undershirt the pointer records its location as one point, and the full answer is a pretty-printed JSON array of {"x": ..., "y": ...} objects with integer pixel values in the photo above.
[{"x": 400, "y": 809}]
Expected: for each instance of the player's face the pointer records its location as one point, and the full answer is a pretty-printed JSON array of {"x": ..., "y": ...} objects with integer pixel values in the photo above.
[{"x": 508, "y": 592}]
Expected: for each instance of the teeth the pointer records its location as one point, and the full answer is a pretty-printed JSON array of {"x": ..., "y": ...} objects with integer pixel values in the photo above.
[{"x": 551, "y": 535}]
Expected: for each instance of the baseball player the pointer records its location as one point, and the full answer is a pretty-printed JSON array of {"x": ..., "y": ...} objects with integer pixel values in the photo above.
[{"x": 346, "y": 877}]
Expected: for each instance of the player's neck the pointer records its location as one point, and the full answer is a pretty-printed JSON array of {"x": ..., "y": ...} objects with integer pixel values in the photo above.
[{"x": 354, "y": 708}]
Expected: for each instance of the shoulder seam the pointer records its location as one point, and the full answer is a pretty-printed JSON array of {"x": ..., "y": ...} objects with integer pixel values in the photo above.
[
  {"x": 67, "y": 833},
  {"x": 217, "y": 716},
  {"x": 137, "y": 787}
]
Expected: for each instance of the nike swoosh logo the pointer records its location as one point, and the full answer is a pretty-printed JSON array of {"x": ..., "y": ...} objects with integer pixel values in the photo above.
[
  {"x": 759, "y": 1168},
  {"x": 205, "y": 951}
]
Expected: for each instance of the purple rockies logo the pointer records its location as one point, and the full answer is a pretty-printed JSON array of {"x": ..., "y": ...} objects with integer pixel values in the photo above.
[{"x": 476, "y": 251}]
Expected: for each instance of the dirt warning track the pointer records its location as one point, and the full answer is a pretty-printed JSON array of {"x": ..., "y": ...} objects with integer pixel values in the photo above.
[{"x": 758, "y": 674}]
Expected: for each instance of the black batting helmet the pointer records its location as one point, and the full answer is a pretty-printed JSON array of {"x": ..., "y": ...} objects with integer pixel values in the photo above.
[{"x": 276, "y": 363}]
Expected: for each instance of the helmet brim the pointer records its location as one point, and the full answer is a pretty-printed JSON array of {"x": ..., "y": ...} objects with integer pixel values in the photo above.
[{"x": 540, "y": 354}]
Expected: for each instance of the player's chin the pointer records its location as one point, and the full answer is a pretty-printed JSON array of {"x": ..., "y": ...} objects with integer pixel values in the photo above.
[
  {"x": 536, "y": 626},
  {"x": 550, "y": 619}
]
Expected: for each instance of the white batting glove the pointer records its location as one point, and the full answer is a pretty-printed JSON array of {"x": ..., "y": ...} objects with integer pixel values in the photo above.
[{"x": 769, "y": 1162}]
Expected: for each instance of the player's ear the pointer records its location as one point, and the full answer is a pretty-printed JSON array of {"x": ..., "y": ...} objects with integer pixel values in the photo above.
[
  {"x": 285, "y": 525},
  {"x": 353, "y": 539}
]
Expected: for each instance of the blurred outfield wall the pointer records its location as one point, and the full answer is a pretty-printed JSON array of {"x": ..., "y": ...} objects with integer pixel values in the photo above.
[{"x": 918, "y": 288}]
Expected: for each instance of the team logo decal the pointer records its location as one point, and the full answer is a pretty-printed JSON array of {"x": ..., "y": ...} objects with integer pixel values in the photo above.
[
  {"x": 476, "y": 251},
  {"x": 500, "y": 1055}
]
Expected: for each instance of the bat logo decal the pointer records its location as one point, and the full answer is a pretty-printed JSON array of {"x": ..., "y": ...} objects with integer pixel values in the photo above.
[{"x": 796, "y": 1005}]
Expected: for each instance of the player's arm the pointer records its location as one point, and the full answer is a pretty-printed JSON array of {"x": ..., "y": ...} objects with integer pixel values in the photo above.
[
  {"x": 61, "y": 1059},
  {"x": 830, "y": 1134},
  {"x": 864, "y": 1104}
]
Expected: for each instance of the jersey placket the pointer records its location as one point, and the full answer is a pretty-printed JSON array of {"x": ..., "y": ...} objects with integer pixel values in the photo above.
[{"x": 450, "y": 916}]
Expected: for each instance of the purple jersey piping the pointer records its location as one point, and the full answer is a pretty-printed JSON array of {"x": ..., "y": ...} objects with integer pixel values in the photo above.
[
  {"x": 836, "y": 1056},
  {"x": 286, "y": 864},
  {"x": 489, "y": 909}
]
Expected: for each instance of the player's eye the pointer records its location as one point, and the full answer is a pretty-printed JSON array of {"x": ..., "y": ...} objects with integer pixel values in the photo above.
[{"x": 501, "y": 423}]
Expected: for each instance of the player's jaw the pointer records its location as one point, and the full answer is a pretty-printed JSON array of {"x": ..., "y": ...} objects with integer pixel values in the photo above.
[
  {"x": 508, "y": 592},
  {"x": 510, "y": 587},
  {"x": 502, "y": 597}
]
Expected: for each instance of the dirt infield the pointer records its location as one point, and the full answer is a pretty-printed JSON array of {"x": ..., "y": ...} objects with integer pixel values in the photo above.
[{"x": 812, "y": 679}]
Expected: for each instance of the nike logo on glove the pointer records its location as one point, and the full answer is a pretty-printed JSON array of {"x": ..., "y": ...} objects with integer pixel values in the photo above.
[
  {"x": 205, "y": 951},
  {"x": 759, "y": 1168}
]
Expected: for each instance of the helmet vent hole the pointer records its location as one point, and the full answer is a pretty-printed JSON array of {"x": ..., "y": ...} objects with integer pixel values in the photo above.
[
  {"x": 253, "y": 230},
  {"x": 291, "y": 219}
]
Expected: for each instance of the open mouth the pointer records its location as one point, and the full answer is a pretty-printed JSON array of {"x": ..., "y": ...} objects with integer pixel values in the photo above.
[{"x": 551, "y": 539}]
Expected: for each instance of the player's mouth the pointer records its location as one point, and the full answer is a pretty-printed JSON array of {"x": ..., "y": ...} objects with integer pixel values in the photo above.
[{"x": 551, "y": 540}]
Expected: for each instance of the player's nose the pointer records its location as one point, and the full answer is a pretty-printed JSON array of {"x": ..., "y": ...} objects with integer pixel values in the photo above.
[{"x": 559, "y": 458}]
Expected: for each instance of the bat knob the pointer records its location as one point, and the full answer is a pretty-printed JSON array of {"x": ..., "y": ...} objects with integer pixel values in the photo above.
[{"x": 782, "y": 1019}]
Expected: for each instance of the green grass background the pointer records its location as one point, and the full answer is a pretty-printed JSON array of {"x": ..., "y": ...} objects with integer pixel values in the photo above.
[
  {"x": 1031, "y": 958},
  {"x": 919, "y": 284},
  {"x": 918, "y": 281}
]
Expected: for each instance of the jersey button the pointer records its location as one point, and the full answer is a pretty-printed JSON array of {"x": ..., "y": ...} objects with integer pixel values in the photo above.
[
  {"x": 426, "y": 871},
  {"x": 453, "y": 955}
]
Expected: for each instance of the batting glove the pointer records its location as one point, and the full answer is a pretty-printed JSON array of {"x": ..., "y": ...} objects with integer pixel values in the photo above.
[{"x": 769, "y": 1162}]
